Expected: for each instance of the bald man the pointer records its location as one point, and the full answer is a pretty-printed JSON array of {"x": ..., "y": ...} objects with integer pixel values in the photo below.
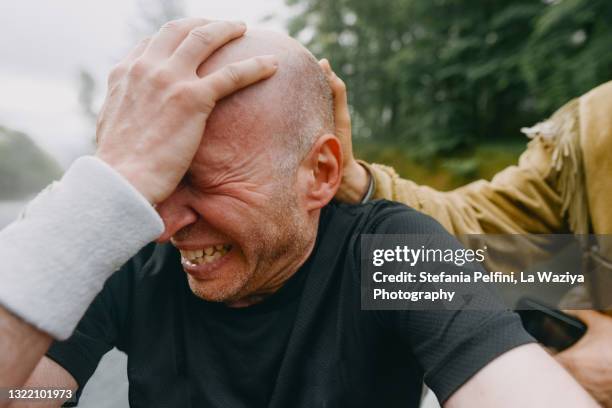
[
  {"x": 81, "y": 229},
  {"x": 251, "y": 296}
]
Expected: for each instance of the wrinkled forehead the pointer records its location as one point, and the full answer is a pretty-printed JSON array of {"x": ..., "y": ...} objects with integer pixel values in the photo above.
[{"x": 237, "y": 132}]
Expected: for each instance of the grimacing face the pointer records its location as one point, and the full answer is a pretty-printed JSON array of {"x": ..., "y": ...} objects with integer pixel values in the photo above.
[
  {"x": 235, "y": 218},
  {"x": 242, "y": 221}
]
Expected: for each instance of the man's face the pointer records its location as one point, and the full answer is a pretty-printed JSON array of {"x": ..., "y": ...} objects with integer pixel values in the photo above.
[{"x": 237, "y": 218}]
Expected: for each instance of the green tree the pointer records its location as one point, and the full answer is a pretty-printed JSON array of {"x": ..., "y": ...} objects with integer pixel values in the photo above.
[
  {"x": 442, "y": 74},
  {"x": 568, "y": 52},
  {"x": 24, "y": 168}
]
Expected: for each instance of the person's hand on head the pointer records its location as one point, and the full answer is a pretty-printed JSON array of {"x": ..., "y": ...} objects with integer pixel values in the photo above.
[
  {"x": 355, "y": 178},
  {"x": 156, "y": 108},
  {"x": 590, "y": 359}
]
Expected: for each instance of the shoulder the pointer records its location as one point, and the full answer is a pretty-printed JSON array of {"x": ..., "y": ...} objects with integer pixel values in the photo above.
[
  {"x": 388, "y": 217},
  {"x": 345, "y": 226}
]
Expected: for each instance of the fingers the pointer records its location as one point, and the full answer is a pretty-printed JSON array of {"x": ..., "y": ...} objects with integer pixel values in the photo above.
[
  {"x": 235, "y": 76},
  {"x": 342, "y": 116},
  {"x": 120, "y": 69},
  {"x": 341, "y": 111},
  {"x": 137, "y": 50},
  {"x": 589, "y": 317},
  {"x": 202, "y": 41},
  {"x": 324, "y": 64},
  {"x": 170, "y": 36},
  {"x": 337, "y": 85}
]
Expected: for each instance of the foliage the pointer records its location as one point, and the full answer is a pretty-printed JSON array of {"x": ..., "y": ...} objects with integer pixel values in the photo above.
[
  {"x": 24, "y": 168},
  {"x": 87, "y": 93},
  {"x": 482, "y": 161},
  {"x": 568, "y": 51},
  {"x": 441, "y": 74}
]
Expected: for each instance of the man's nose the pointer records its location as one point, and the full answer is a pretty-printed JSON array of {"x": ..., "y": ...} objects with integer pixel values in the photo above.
[{"x": 176, "y": 214}]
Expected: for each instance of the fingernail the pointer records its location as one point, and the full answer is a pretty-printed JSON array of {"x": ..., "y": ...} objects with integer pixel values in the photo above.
[{"x": 240, "y": 23}]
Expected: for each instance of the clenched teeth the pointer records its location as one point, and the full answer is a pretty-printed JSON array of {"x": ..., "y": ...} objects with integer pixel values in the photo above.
[{"x": 206, "y": 255}]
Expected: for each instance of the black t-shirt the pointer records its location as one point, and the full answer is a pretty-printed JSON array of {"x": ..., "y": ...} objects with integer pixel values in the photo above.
[{"x": 307, "y": 345}]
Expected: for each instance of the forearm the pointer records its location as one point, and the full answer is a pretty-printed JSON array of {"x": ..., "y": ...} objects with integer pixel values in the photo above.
[
  {"x": 523, "y": 377},
  {"x": 519, "y": 199},
  {"x": 48, "y": 375},
  {"x": 58, "y": 254},
  {"x": 21, "y": 347}
]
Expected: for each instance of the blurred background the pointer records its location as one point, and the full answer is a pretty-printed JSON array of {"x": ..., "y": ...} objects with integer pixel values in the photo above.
[{"x": 438, "y": 88}]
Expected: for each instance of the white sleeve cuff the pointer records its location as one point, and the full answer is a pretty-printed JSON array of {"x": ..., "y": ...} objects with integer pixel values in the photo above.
[{"x": 56, "y": 257}]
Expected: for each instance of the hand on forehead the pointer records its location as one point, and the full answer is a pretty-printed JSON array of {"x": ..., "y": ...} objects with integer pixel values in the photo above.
[
  {"x": 155, "y": 113},
  {"x": 246, "y": 121},
  {"x": 259, "y": 103}
]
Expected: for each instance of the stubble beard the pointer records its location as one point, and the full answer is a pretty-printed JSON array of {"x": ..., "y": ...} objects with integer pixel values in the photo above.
[{"x": 277, "y": 248}]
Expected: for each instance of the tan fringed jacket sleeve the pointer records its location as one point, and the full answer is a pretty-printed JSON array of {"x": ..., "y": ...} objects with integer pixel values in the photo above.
[{"x": 562, "y": 182}]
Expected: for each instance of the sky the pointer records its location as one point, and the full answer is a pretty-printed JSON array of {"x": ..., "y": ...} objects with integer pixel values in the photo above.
[{"x": 45, "y": 44}]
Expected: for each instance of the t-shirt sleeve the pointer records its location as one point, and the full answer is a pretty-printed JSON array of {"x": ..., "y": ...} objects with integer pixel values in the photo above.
[
  {"x": 450, "y": 345},
  {"x": 101, "y": 328}
]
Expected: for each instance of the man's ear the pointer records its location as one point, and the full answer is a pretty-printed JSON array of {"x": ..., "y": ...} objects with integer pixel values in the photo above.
[{"x": 321, "y": 172}]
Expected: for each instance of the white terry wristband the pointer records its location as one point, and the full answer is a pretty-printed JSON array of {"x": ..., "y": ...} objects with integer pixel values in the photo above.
[{"x": 56, "y": 257}]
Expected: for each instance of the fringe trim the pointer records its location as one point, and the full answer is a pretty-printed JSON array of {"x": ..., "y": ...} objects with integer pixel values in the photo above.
[{"x": 562, "y": 131}]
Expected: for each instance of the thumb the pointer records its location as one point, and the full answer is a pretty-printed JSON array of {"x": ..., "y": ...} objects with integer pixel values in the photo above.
[
  {"x": 589, "y": 317},
  {"x": 325, "y": 66}
]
